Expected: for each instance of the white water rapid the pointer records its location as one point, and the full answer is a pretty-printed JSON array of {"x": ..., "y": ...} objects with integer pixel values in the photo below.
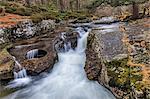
[{"x": 67, "y": 80}]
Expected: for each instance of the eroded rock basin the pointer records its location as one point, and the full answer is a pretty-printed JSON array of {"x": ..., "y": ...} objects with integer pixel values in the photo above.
[{"x": 37, "y": 64}]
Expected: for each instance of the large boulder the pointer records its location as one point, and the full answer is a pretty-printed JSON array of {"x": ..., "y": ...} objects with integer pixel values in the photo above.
[
  {"x": 119, "y": 59},
  {"x": 102, "y": 48}
]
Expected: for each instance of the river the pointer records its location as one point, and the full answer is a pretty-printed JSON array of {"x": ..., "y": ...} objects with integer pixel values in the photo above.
[{"x": 67, "y": 80}]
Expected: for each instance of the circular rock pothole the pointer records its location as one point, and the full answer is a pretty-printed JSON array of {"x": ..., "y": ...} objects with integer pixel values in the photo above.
[{"x": 36, "y": 53}]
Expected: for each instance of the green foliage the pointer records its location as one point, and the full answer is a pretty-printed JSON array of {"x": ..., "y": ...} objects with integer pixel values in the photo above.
[
  {"x": 56, "y": 15},
  {"x": 114, "y": 3},
  {"x": 42, "y": 16},
  {"x": 16, "y": 8},
  {"x": 3, "y": 3},
  {"x": 41, "y": 12}
]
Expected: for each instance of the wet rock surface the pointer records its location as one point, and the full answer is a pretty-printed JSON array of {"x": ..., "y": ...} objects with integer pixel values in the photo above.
[
  {"x": 66, "y": 39},
  {"x": 36, "y": 65},
  {"x": 44, "y": 43}
]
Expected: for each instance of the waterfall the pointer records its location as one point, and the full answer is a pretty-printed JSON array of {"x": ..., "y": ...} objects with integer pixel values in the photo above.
[
  {"x": 82, "y": 42},
  {"x": 31, "y": 54},
  {"x": 21, "y": 74},
  {"x": 67, "y": 80},
  {"x": 67, "y": 45},
  {"x": 20, "y": 77}
]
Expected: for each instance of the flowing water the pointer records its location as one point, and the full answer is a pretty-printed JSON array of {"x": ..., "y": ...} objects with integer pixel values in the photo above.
[
  {"x": 67, "y": 80},
  {"x": 31, "y": 54},
  {"x": 20, "y": 78}
]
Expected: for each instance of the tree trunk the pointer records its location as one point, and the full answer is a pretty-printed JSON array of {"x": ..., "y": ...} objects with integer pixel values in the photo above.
[
  {"x": 62, "y": 5},
  {"x": 28, "y": 3},
  {"x": 135, "y": 11},
  {"x": 78, "y": 4},
  {"x": 71, "y": 5}
]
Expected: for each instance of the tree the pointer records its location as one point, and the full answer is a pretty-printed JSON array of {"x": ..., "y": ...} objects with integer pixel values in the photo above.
[
  {"x": 28, "y": 2},
  {"x": 135, "y": 10},
  {"x": 78, "y": 4},
  {"x": 62, "y": 5}
]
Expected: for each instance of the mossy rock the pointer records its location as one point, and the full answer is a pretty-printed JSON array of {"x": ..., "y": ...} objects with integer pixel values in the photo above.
[
  {"x": 122, "y": 76},
  {"x": 6, "y": 64}
]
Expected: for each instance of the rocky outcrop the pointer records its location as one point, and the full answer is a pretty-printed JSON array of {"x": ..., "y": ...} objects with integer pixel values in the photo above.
[
  {"x": 95, "y": 65},
  {"x": 25, "y": 30},
  {"x": 43, "y": 51},
  {"x": 28, "y": 29},
  {"x": 137, "y": 40},
  {"x": 35, "y": 66},
  {"x": 119, "y": 59}
]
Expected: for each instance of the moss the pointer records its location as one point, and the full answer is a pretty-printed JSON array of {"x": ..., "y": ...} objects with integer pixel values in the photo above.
[
  {"x": 122, "y": 76},
  {"x": 139, "y": 86},
  {"x": 16, "y": 8},
  {"x": 42, "y": 16},
  {"x": 56, "y": 15},
  {"x": 10, "y": 9},
  {"x": 23, "y": 11},
  {"x": 135, "y": 78},
  {"x": 6, "y": 63},
  {"x": 7, "y": 92},
  {"x": 5, "y": 45}
]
